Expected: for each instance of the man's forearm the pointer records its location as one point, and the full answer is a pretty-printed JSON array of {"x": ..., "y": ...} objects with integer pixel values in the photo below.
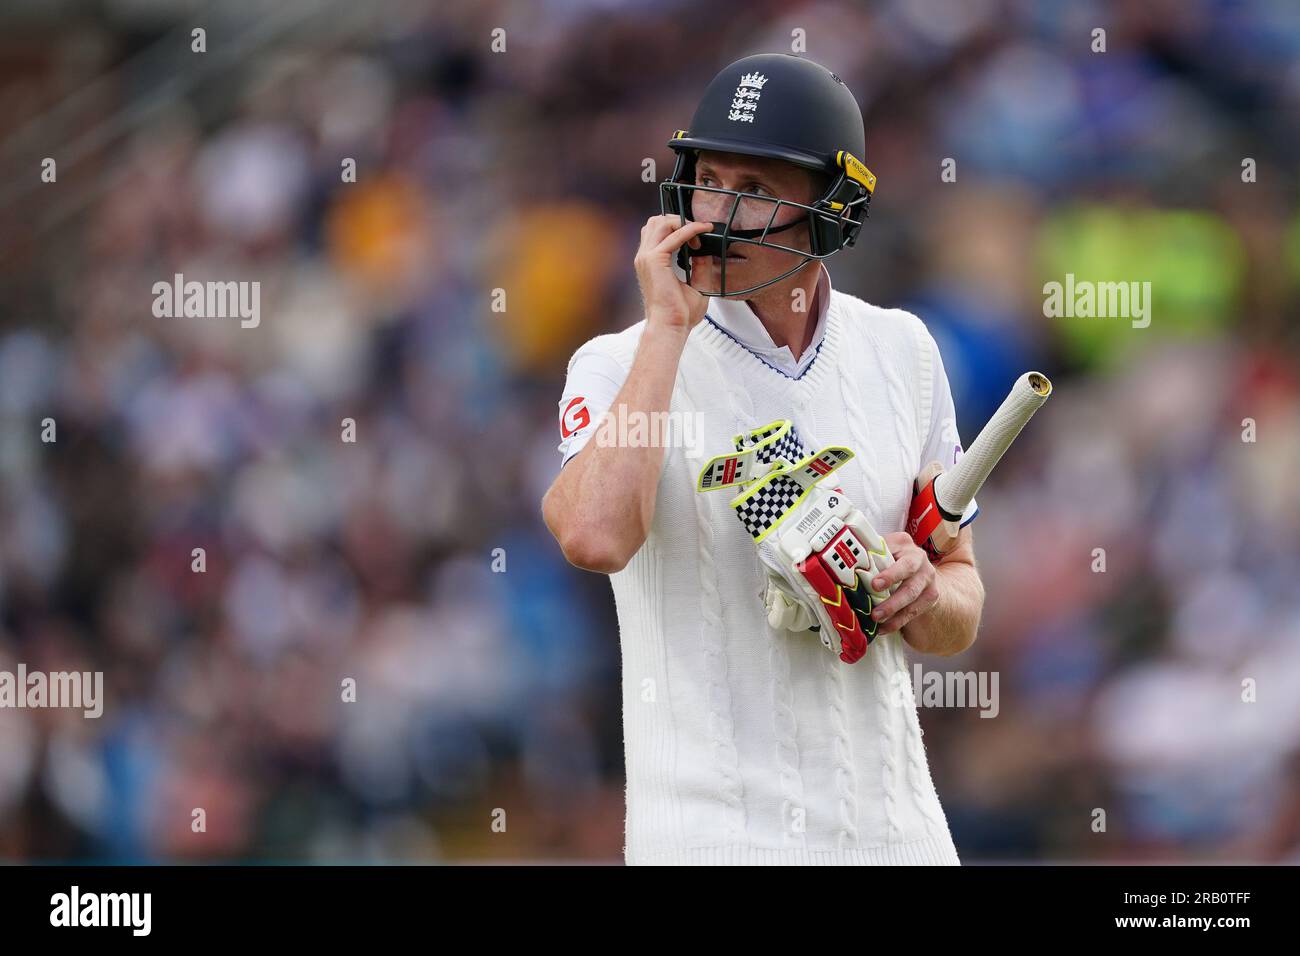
[{"x": 950, "y": 626}]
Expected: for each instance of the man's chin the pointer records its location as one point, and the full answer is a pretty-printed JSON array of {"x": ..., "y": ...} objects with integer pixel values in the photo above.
[{"x": 706, "y": 275}]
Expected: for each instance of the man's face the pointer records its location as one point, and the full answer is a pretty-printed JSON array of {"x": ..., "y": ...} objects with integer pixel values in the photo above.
[{"x": 749, "y": 265}]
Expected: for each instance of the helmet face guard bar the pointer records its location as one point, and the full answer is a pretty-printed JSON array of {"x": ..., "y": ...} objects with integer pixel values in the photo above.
[{"x": 831, "y": 225}]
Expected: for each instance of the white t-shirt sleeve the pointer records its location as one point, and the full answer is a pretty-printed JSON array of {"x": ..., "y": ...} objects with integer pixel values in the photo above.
[
  {"x": 594, "y": 380},
  {"x": 943, "y": 443}
]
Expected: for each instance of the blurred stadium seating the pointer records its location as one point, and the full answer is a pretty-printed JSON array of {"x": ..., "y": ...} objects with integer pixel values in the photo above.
[{"x": 522, "y": 170}]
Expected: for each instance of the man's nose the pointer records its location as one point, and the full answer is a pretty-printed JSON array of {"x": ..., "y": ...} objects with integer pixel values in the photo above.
[{"x": 712, "y": 206}]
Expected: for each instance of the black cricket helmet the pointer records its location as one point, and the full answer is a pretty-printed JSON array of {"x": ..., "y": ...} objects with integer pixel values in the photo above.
[{"x": 778, "y": 106}]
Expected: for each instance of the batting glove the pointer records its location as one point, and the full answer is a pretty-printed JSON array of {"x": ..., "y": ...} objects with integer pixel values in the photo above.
[{"x": 819, "y": 551}]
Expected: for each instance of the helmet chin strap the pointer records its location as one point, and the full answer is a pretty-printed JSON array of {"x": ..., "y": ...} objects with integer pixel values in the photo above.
[{"x": 716, "y": 245}]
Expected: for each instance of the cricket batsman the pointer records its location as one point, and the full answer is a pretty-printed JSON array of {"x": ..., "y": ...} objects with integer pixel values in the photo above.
[{"x": 764, "y": 582}]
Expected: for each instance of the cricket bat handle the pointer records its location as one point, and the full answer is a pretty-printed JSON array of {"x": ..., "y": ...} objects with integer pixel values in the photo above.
[{"x": 940, "y": 497}]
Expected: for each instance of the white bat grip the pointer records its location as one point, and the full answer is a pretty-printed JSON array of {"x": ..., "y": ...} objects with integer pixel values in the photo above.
[{"x": 955, "y": 488}]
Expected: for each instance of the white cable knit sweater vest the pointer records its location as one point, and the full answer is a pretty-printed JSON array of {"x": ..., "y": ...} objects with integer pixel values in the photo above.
[{"x": 744, "y": 744}]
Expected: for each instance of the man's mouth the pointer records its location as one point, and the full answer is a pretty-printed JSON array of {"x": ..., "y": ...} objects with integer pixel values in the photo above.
[{"x": 731, "y": 257}]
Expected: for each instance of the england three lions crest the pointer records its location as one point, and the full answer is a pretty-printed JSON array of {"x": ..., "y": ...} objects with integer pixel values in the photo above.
[{"x": 745, "y": 103}]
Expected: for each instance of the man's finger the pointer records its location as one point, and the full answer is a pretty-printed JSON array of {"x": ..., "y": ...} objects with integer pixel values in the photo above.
[
  {"x": 900, "y": 599},
  {"x": 656, "y": 228},
  {"x": 902, "y": 568},
  {"x": 678, "y": 237},
  {"x": 899, "y": 542}
]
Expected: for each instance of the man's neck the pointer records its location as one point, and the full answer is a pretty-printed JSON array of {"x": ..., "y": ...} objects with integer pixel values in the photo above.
[{"x": 787, "y": 326}]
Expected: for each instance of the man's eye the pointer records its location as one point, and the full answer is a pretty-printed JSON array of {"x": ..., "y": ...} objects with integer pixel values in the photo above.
[{"x": 755, "y": 188}]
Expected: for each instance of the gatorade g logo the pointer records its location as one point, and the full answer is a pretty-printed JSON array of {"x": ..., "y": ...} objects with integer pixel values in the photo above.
[{"x": 575, "y": 417}]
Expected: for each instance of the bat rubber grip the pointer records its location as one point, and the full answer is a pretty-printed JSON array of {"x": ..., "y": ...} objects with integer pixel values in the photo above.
[{"x": 954, "y": 489}]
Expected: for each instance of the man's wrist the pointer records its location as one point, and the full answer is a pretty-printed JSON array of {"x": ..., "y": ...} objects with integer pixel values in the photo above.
[
  {"x": 667, "y": 319},
  {"x": 663, "y": 337}
]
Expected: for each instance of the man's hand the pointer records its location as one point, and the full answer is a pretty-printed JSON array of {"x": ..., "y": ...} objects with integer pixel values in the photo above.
[
  {"x": 914, "y": 580},
  {"x": 668, "y": 300}
]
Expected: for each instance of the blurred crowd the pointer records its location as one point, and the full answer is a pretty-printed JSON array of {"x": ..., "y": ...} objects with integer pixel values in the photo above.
[{"x": 1140, "y": 547}]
